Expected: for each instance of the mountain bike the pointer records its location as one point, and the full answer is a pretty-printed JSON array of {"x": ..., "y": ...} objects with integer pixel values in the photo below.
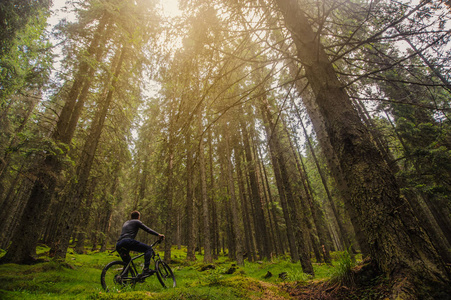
[{"x": 118, "y": 274}]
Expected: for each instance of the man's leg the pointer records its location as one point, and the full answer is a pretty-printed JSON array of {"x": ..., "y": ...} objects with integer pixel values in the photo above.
[
  {"x": 141, "y": 247},
  {"x": 122, "y": 249}
]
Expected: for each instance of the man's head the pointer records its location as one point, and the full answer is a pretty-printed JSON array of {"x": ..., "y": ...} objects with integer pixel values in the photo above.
[{"x": 135, "y": 215}]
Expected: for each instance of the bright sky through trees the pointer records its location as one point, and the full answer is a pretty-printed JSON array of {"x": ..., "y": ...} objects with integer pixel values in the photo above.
[
  {"x": 170, "y": 9},
  {"x": 61, "y": 9}
]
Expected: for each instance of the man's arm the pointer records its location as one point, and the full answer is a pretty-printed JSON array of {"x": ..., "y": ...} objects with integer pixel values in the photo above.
[{"x": 148, "y": 230}]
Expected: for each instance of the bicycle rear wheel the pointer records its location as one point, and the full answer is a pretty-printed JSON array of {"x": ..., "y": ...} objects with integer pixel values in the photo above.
[
  {"x": 165, "y": 274},
  {"x": 114, "y": 277}
]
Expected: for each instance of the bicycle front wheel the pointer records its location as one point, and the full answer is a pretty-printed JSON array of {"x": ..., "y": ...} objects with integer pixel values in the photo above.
[
  {"x": 165, "y": 274},
  {"x": 114, "y": 276}
]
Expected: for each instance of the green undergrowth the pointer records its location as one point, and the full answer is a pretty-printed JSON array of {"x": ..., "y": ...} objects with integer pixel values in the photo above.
[
  {"x": 342, "y": 272},
  {"x": 79, "y": 278}
]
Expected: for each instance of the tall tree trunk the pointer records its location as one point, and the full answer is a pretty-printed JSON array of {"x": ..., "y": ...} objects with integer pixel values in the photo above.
[
  {"x": 398, "y": 245},
  {"x": 208, "y": 258},
  {"x": 331, "y": 156},
  {"x": 70, "y": 212},
  {"x": 259, "y": 217},
  {"x": 247, "y": 222},
  {"x": 109, "y": 205},
  {"x": 290, "y": 227},
  {"x": 10, "y": 207},
  {"x": 85, "y": 217},
  {"x": 69, "y": 114},
  {"x": 306, "y": 202},
  {"x": 236, "y": 224},
  {"x": 317, "y": 214},
  {"x": 277, "y": 242},
  {"x": 314, "y": 208},
  {"x": 432, "y": 218},
  {"x": 169, "y": 209},
  {"x": 10, "y": 214},
  {"x": 214, "y": 228},
  {"x": 5, "y": 160},
  {"x": 344, "y": 235},
  {"x": 23, "y": 246},
  {"x": 143, "y": 182},
  {"x": 298, "y": 225},
  {"x": 190, "y": 208}
]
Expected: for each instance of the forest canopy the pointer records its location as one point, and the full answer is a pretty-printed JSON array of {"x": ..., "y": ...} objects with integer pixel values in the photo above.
[{"x": 256, "y": 129}]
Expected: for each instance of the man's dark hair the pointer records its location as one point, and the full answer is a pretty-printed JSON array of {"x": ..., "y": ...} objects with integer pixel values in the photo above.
[{"x": 135, "y": 214}]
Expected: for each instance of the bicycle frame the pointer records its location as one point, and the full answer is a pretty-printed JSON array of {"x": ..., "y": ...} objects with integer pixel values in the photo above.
[
  {"x": 132, "y": 266},
  {"x": 112, "y": 276}
]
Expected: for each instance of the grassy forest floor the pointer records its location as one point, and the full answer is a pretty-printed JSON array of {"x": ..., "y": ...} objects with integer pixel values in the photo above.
[{"x": 79, "y": 278}]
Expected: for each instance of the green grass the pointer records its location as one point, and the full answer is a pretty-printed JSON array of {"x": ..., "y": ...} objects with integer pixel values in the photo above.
[
  {"x": 342, "y": 272},
  {"x": 79, "y": 278}
]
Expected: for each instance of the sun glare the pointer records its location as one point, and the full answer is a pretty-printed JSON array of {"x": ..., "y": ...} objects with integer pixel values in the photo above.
[{"x": 170, "y": 8}]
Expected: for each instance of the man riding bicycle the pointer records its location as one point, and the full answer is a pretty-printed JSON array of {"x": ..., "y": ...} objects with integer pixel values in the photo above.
[{"x": 127, "y": 242}]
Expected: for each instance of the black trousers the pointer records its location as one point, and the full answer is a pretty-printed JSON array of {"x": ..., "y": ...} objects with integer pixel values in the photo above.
[{"x": 125, "y": 246}]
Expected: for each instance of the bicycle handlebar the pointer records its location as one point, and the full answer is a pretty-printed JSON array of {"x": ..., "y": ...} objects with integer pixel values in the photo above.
[{"x": 157, "y": 242}]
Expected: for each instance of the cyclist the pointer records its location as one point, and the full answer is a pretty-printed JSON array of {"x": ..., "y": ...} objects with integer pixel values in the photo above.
[{"x": 127, "y": 242}]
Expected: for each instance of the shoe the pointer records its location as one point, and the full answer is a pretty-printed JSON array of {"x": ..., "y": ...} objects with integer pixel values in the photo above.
[{"x": 147, "y": 272}]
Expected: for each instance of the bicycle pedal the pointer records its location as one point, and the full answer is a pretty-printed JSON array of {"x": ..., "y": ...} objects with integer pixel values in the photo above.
[
  {"x": 149, "y": 273},
  {"x": 141, "y": 277}
]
